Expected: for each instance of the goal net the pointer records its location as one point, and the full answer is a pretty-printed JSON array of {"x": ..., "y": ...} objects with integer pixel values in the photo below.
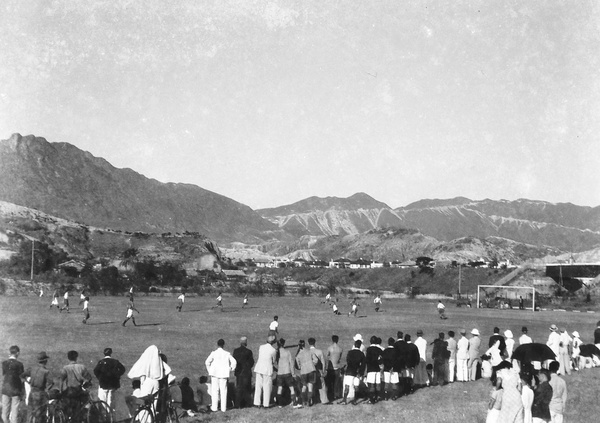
[{"x": 495, "y": 296}]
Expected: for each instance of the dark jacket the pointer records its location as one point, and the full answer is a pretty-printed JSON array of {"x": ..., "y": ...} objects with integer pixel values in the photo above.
[
  {"x": 497, "y": 337},
  {"x": 388, "y": 356},
  {"x": 400, "y": 357},
  {"x": 12, "y": 385},
  {"x": 245, "y": 360},
  {"x": 540, "y": 407},
  {"x": 355, "y": 363},
  {"x": 440, "y": 350},
  {"x": 109, "y": 372},
  {"x": 373, "y": 359}
]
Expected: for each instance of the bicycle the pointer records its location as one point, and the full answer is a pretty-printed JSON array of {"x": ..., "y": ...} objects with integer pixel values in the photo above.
[
  {"x": 147, "y": 413},
  {"x": 57, "y": 411}
]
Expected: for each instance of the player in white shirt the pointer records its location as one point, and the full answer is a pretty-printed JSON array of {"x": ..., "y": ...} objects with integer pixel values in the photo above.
[
  {"x": 377, "y": 302},
  {"x": 335, "y": 309},
  {"x": 130, "y": 310},
  {"x": 245, "y": 303},
  {"x": 65, "y": 301},
  {"x": 441, "y": 308},
  {"x": 274, "y": 327},
  {"x": 54, "y": 302},
  {"x": 327, "y": 299},
  {"x": 180, "y": 301},
  {"x": 219, "y": 302},
  {"x": 86, "y": 311},
  {"x": 354, "y": 307}
]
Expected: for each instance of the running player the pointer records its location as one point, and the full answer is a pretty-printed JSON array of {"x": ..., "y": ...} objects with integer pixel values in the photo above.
[
  {"x": 335, "y": 309},
  {"x": 131, "y": 294},
  {"x": 180, "y": 301},
  {"x": 274, "y": 327},
  {"x": 354, "y": 309},
  {"x": 377, "y": 302},
  {"x": 220, "y": 301},
  {"x": 65, "y": 301},
  {"x": 245, "y": 303},
  {"x": 86, "y": 311},
  {"x": 130, "y": 310},
  {"x": 41, "y": 292},
  {"x": 327, "y": 298},
  {"x": 54, "y": 302},
  {"x": 441, "y": 308}
]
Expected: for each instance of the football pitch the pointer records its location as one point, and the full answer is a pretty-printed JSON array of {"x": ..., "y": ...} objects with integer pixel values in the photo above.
[{"x": 188, "y": 337}]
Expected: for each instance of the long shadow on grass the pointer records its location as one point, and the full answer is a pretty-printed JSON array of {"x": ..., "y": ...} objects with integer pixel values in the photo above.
[
  {"x": 192, "y": 311},
  {"x": 149, "y": 324},
  {"x": 100, "y": 323}
]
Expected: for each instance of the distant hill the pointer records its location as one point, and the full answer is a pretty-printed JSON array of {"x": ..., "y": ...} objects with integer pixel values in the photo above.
[
  {"x": 64, "y": 181},
  {"x": 563, "y": 226},
  {"x": 407, "y": 244}
]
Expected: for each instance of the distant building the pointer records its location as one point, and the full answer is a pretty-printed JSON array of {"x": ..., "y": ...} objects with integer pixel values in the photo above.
[{"x": 235, "y": 275}]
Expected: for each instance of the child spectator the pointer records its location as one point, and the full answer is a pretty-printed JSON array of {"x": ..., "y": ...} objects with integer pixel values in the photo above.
[
  {"x": 495, "y": 402},
  {"x": 486, "y": 366}
]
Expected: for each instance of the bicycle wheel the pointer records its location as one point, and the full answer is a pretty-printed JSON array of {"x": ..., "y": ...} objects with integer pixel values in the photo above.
[
  {"x": 172, "y": 416},
  {"x": 143, "y": 415},
  {"x": 39, "y": 415},
  {"x": 99, "y": 412}
]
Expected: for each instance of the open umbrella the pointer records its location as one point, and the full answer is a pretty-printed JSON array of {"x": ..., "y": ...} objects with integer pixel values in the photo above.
[
  {"x": 589, "y": 350},
  {"x": 533, "y": 352}
]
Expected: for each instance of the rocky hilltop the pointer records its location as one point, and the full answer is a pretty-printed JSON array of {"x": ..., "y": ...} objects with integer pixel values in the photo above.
[
  {"x": 563, "y": 226},
  {"x": 64, "y": 181}
]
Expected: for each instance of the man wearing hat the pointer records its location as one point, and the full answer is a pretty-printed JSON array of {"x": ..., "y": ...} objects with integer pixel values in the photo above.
[
  {"x": 267, "y": 359},
  {"x": 554, "y": 340},
  {"x": 243, "y": 373},
  {"x": 474, "y": 354},
  {"x": 462, "y": 357},
  {"x": 40, "y": 382},
  {"x": 524, "y": 339},
  {"x": 496, "y": 337},
  {"x": 109, "y": 372}
]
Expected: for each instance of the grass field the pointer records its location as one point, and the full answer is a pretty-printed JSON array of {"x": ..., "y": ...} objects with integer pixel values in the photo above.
[{"x": 188, "y": 337}]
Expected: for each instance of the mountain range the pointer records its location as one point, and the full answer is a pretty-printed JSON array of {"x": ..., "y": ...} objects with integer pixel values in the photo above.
[{"x": 65, "y": 182}]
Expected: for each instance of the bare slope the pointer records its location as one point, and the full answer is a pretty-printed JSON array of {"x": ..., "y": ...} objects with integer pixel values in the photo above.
[{"x": 62, "y": 180}]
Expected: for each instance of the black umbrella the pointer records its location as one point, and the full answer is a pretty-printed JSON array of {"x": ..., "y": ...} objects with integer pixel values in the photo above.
[
  {"x": 589, "y": 350},
  {"x": 533, "y": 352}
]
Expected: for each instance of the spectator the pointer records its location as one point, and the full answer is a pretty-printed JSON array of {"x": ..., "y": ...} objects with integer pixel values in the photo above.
[
  {"x": 243, "y": 373},
  {"x": 109, "y": 372},
  {"x": 12, "y": 386},
  {"x": 219, "y": 364},
  {"x": 267, "y": 359},
  {"x": 559, "y": 394},
  {"x": 334, "y": 369},
  {"x": 40, "y": 382}
]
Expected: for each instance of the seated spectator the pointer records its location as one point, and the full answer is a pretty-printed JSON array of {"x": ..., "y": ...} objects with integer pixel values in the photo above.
[
  {"x": 188, "y": 402},
  {"x": 204, "y": 398}
]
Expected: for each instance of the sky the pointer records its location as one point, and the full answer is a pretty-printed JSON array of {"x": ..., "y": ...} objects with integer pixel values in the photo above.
[{"x": 271, "y": 102}]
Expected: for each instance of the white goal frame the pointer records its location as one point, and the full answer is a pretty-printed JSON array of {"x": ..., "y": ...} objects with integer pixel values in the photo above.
[{"x": 509, "y": 287}]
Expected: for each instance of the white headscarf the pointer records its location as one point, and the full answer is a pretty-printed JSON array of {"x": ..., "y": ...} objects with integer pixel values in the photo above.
[{"x": 149, "y": 365}]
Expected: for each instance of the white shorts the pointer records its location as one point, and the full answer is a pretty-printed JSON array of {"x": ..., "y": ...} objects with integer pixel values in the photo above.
[
  {"x": 374, "y": 377},
  {"x": 351, "y": 380},
  {"x": 55, "y": 301},
  {"x": 391, "y": 377}
]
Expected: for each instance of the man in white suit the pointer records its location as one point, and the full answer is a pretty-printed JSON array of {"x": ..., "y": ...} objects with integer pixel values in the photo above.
[
  {"x": 219, "y": 364},
  {"x": 266, "y": 361}
]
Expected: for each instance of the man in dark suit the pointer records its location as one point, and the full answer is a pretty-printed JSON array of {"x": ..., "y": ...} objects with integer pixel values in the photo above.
[
  {"x": 399, "y": 365},
  {"x": 243, "y": 373},
  {"x": 497, "y": 337},
  {"x": 109, "y": 372}
]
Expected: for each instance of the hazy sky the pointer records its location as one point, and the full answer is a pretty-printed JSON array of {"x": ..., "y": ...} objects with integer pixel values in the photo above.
[{"x": 270, "y": 102}]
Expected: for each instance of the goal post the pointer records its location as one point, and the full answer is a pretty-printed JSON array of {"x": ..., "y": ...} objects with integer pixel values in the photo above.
[{"x": 497, "y": 288}]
